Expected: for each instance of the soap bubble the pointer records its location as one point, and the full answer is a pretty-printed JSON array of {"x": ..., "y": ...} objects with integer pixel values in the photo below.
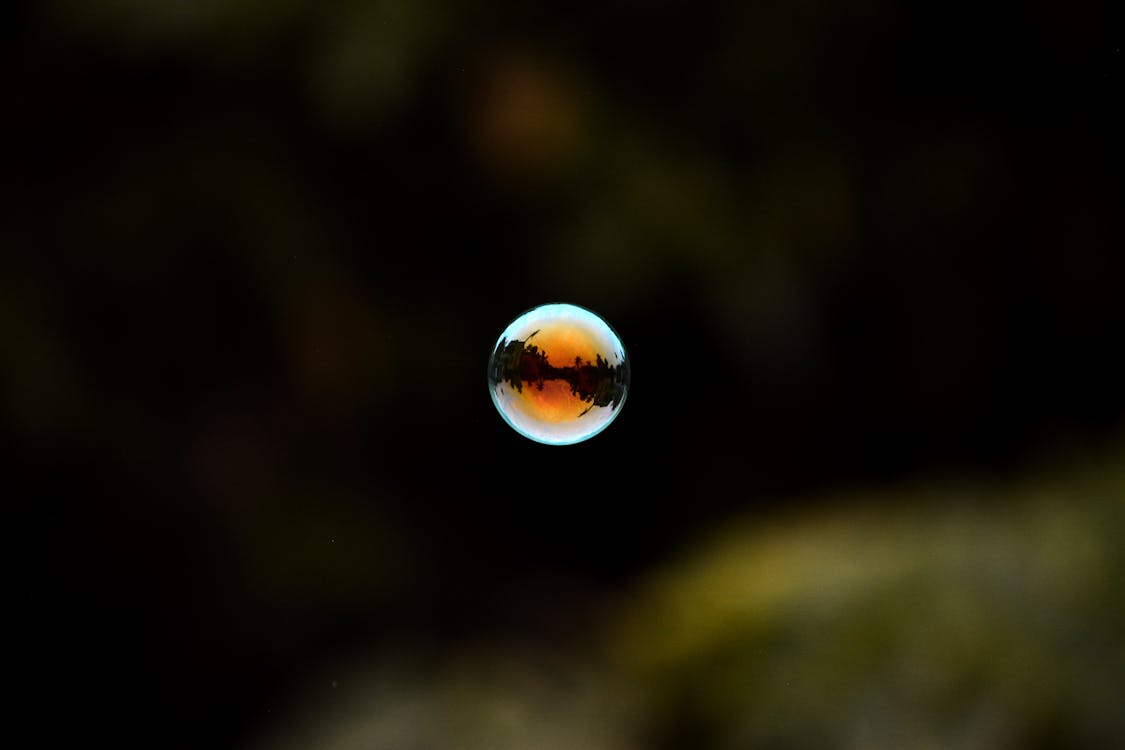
[{"x": 558, "y": 374}]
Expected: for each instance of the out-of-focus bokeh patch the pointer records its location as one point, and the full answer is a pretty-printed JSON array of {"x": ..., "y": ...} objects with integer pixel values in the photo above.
[
  {"x": 495, "y": 696},
  {"x": 974, "y": 615},
  {"x": 526, "y": 117},
  {"x": 978, "y": 615}
]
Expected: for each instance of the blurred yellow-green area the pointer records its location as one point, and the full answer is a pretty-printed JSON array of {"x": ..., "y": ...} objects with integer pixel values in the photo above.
[
  {"x": 866, "y": 258},
  {"x": 982, "y": 615}
]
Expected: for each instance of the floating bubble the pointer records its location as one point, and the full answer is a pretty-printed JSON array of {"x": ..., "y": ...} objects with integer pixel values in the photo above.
[{"x": 558, "y": 374}]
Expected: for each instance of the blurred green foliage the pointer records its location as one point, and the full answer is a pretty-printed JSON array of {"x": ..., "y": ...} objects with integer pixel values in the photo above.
[
  {"x": 975, "y": 615},
  {"x": 967, "y": 616}
]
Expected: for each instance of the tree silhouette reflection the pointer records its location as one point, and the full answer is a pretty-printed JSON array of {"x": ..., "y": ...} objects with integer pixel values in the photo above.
[{"x": 597, "y": 383}]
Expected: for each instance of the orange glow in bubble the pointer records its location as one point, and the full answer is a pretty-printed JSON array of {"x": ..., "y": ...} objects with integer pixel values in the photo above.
[{"x": 558, "y": 374}]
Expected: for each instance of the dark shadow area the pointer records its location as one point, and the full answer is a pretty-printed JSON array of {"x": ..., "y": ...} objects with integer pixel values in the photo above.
[{"x": 255, "y": 259}]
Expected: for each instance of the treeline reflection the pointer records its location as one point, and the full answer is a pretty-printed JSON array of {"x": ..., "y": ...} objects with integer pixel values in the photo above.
[{"x": 597, "y": 383}]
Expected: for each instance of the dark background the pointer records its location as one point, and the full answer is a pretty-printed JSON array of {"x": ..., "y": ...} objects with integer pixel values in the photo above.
[{"x": 256, "y": 255}]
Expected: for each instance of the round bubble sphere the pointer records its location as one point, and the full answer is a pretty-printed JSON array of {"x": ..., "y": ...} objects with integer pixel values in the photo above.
[{"x": 558, "y": 374}]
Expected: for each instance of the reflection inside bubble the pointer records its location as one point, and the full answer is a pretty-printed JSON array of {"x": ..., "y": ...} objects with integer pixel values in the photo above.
[{"x": 558, "y": 374}]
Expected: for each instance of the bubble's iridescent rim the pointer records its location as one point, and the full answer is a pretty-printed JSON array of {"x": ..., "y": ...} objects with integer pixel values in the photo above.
[{"x": 527, "y": 322}]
